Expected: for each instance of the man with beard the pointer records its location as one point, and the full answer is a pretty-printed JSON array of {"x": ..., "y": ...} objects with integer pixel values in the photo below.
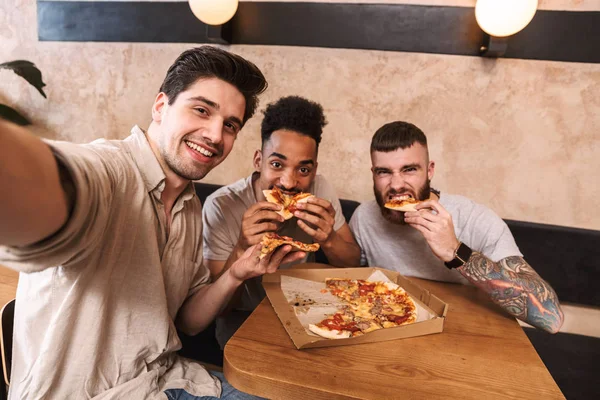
[
  {"x": 237, "y": 216},
  {"x": 107, "y": 237},
  {"x": 448, "y": 238}
]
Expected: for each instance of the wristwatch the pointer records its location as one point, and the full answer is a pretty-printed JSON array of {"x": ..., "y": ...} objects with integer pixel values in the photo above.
[{"x": 461, "y": 256}]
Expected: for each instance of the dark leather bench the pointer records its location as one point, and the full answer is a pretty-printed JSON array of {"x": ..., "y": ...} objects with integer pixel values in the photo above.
[{"x": 568, "y": 258}]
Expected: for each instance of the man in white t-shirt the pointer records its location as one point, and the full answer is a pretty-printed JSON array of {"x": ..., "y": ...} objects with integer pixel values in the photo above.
[
  {"x": 448, "y": 238},
  {"x": 236, "y": 217}
]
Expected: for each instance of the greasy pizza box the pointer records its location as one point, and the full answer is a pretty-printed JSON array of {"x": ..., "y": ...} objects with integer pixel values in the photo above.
[{"x": 303, "y": 339}]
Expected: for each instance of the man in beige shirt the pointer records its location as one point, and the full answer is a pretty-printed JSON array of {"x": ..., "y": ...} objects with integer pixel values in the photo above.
[{"x": 108, "y": 239}]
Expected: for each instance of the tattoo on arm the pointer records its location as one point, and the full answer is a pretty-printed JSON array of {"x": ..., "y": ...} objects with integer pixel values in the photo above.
[{"x": 517, "y": 288}]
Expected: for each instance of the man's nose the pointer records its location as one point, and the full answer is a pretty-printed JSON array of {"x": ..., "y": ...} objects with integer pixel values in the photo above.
[
  {"x": 214, "y": 132},
  {"x": 397, "y": 181},
  {"x": 288, "y": 180}
]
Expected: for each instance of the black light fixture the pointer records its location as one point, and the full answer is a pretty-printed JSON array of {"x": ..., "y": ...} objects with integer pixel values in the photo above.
[
  {"x": 500, "y": 19},
  {"x": 215, "y": 14}
]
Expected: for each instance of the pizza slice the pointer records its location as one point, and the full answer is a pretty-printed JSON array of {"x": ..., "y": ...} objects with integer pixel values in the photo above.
[
  {"x": 271, "y": 241},
  {"x": 287, "y": 202},
  {"x": 402, "y": 203}
]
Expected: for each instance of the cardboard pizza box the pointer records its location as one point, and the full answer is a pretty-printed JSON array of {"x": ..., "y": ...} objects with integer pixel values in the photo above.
[{"x": 431, "y": 310}]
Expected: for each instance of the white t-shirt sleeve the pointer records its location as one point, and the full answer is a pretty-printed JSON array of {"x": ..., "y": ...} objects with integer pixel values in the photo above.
[
  {"x": 490, "y": 235},
  {"x": 218, "y": 244},
  {"x": 94, "y": 179}
]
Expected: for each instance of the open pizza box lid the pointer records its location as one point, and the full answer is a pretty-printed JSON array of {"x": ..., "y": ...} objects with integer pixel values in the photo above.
[{"x": 298, "y": 299}]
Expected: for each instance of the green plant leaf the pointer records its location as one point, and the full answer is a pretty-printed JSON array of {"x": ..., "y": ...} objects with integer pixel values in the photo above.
[
  {"x": 28, "y": 71},
  {"x": 11, "y": 115}
]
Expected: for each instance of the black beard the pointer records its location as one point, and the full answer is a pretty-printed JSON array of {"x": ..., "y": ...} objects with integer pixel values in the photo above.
[{"x": 397, "y": 217}]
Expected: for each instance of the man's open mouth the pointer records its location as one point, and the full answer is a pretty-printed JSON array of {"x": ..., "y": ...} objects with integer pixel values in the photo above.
[
  {"x": 399, "y": 197},
  {"x": 199, "y": 149}
]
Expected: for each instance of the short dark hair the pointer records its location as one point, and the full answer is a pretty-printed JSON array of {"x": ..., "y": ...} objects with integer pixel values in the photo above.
[
  {"x": 296, "y": 114},
  {"x": 397, "y": 135},
  {"x": 212, "y": 62}
]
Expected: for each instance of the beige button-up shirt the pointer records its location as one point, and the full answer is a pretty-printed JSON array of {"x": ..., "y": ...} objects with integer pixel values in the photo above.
[{"x": 96, "y": 302}]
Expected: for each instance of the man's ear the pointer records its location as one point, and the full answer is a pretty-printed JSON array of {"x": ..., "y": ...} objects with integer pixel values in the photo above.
[
  {"x": 160, "y": 104},
  {"x": 430, "y": 170},
  {"x": 257, "y": 160}
]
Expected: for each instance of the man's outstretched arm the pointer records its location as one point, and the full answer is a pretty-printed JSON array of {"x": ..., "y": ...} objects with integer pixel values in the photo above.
[
  {"x": 514, "y": 285},
  {"x": 33, "y": 204}
]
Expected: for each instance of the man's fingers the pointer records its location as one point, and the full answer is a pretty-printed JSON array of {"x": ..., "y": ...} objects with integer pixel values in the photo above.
[
  {"x": 432, "y": 204},
  {"x": 304, "y": 226},
  {"x": 421, "y": 229},
  {"x": 262, "y": 228},
  {"x": 326, "y": 212},
  {"x": 262, "y": 205},
  {"x": 322, "y": 203},
  {"x": 419, "y": 220},
  {"x": 273, "y": 260},
  {"x": 265, "y": 215},
  {"x": 293, "y": 256},
  {"x": 316, "y": 220}
]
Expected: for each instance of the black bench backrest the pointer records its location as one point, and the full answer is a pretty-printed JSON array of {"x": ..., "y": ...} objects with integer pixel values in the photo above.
[{"x": 568, "y": 258}]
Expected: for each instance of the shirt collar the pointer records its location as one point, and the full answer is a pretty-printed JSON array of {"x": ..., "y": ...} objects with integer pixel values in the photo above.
[{"x": 149, "y": 167}]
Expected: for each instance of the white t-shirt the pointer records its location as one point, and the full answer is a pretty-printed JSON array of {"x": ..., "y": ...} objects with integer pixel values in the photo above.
[{"x": 402, "y": 248}]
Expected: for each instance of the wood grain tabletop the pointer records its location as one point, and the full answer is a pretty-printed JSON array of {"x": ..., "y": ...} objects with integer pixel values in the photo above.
[{"x": 482, "y": 353}]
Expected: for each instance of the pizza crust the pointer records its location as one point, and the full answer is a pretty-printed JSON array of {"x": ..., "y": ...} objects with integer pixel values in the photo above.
[{"x": 329, "y": 334}]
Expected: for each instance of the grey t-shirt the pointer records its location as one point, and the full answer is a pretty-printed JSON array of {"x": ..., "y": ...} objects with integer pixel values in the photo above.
[
  {"x": 404, "y": 249},
  {"x": 222, "y": 216}
]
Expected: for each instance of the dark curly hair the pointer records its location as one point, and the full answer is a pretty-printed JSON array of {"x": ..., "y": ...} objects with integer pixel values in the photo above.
[
  {"x": 212, "y": 62},
  {"x": 296, "y": 114}
]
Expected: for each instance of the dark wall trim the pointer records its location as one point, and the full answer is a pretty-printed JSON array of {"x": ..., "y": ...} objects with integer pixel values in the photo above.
[{"x": 552, "y": 35}]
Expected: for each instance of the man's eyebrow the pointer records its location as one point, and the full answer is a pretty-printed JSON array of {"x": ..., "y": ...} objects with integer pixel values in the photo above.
[
  {"x": 413, "y": 165},
  {"x": 307, "y": 162},
  {"x": 279, "y": 155},
  {"x": 205, "y": 100},
  {"x": 216, "y": 106},
  {"x": 381, "y": 169}
]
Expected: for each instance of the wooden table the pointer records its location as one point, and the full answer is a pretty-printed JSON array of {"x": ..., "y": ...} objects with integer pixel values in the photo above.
[{"x": 482, "y": 353}]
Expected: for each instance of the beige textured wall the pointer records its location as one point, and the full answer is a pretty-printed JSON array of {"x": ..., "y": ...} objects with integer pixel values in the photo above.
[{"x": 522, "y": 137}]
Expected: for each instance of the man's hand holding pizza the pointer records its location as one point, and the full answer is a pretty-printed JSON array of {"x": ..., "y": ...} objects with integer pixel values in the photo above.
[
  {"x": 435, "y": 223},
  {"x": 258, "y": 219},
  {"x": 316, "y": 217},
  {"x": 251, "y": 264}
]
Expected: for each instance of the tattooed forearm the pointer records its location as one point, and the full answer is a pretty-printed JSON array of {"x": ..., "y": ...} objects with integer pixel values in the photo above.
[{"x": 517, "y": 288}]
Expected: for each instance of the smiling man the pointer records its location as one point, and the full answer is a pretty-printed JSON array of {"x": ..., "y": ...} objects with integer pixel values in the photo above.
[
  {"x": 237, "y": 216},
  {"x": 107, "y": 237},
  {"x": 448, "y": 238}
]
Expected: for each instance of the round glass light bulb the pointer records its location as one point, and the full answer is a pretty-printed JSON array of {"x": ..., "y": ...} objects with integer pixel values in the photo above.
[
  {"x": 504, "y": 17},
  {"x": 214, "y": 12}
]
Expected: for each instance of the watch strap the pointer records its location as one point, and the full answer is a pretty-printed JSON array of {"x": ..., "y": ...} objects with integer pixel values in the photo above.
[{"x": 461, "y": 256}]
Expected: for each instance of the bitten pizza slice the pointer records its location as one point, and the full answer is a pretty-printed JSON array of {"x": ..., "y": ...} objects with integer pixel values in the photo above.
[
  {"x": 403, "y": 203},
  {"x": 287, "y": 202},
  {"x": 271, "y": 241}
]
